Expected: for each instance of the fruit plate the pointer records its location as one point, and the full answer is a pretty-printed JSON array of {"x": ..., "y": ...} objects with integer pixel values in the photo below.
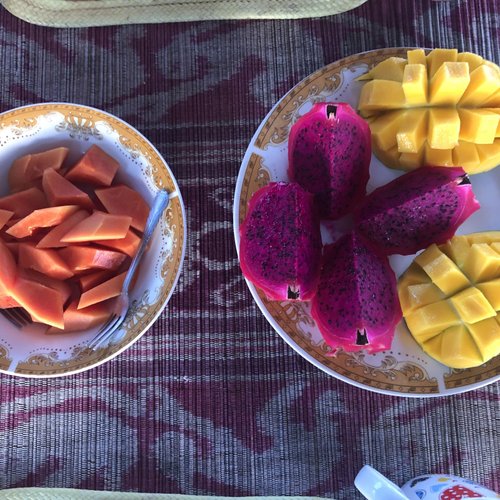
[
  {"x": 40, "y": 127},
  {"x": 405, "y": 370}
]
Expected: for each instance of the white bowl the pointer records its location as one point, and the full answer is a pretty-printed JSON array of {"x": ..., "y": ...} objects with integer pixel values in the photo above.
[{"x": 36, "y": 128}]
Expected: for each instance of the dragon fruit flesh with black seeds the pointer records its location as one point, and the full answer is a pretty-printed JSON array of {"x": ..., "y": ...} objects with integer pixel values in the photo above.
[
  {"x": 419, "y": 208},
  {"x": 280, "y": 245},
  {"x": 356, "y": 305},
  {"x": 329, "y": 153}
]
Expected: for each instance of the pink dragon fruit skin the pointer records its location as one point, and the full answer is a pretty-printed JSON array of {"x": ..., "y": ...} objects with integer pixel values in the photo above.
[
  {"x": 280, "y": 242},
  {"x": 419, "y": 208},
  {"x": 356, "y": 306},
  {"x": 329, "y": 153}
]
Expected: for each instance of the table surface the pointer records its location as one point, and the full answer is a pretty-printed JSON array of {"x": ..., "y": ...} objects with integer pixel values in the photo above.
[{"x": 211, "y": 400}]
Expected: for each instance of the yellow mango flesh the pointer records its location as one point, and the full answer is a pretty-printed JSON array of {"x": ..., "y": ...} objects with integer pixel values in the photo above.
[
  {"x": 450, "y": 297},
  {"x": 449, "y": 83},
  {"x": 444, "y": 128},
  {"x": 384, "y": 129},
  {"x": 461, "y": 94},
  {"x": 412, "y": 132},
  {"x": 484, "y": 82},
  {"x": 415, "y": 84}
]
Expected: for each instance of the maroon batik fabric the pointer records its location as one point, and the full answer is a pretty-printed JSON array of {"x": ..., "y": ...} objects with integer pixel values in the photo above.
[{"x": 211, "y": 400}]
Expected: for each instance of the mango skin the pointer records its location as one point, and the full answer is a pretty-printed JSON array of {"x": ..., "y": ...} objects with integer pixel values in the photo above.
[{"x": 450, "y": 298}]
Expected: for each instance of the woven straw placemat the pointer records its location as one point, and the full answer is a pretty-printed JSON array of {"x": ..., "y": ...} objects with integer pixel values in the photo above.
[{"x": 73, "y": 13}]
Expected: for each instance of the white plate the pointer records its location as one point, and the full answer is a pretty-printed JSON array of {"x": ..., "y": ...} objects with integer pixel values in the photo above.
[
  {"x": 39, "y": 127},
  {"x": 404, "y": 370}
]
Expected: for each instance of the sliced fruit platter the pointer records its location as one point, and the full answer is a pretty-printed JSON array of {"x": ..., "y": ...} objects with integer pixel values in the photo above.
[
  {"x": 77, "y": 184},
  {"x": 327, "y": 232}
]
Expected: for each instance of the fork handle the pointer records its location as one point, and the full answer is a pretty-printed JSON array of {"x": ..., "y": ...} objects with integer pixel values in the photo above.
[{"x": 160, "y": 203}]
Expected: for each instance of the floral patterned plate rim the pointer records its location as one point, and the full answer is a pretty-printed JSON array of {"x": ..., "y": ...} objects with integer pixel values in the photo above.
[
  {"x": 38, "y": 127},
  {"x": 405, "y": 370}
]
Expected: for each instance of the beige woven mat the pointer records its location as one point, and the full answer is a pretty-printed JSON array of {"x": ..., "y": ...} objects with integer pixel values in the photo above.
[{"x": 68, "y": 13}]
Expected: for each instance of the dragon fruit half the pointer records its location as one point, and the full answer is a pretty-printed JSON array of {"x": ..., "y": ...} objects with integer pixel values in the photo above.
[
  {"x": 329, "y": 153},
  {"x": 280, "y": 246},
  {"x": 356, "y": 305},
  {"x": 419, "y": 208}
]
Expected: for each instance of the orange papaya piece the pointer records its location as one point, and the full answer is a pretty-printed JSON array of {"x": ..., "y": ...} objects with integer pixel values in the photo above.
[
  {"x": 44, "y": 304},
  {"x": 88, "y": 281},
  {"x": 122, "y": 200},
  {"x": 76, "y": 320},
  {"x": 7, "y": 302},
  {"x": 99, "y": 226},
  {"x": 43, "y": 260},
  {"x": 53, "y": 238},
  {"x": 44, "y": 217},
  {"x": 5, "y": 215},
  {"x": 62, "y": 286},
  {"x": 107, "y": 290},
  {"x": 60, "y": 191},
  {"x": 128, "y": 245},
  {"x": 8, "y": 268},
  {"x": 95, "y": 167},
  {"x": 24, "y": 202},
  {"x": 30, "y": 167},
  {"x": 83, "y": 258}
]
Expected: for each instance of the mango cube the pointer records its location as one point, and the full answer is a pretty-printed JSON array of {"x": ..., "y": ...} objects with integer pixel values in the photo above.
[
  {"x": 412, "y": 132},
  {"x": 442, "y": 270},
  {"x": 455, "y": 348},
  {"x": 421, "y": 294},
  {"x": 486, "y": 335},
  {"x": 466, "y": 155},
  {"x": 491, "y": 290},
  {"x": 416, "y": 56},
  {"x": 430, "y": 320},
  {"x": 388, "y": 157},
  {"x": 478, "y": 125},
  {"x": 473, "y": 60},
  {"x": 482, "y": 264},
  {"x": 489, "y": 156},
  {"x": 444, "y": 128},
  {"x": 437, "y": 57},
  {"x": 457, "y": 249},
  {"x": 385, "y": 127},
  {"x": 411, "y": 161},
  {"x": 448, "y": 84},
  {"x": 438, "y": 157},
  {"x": 391, "y": 68},
  {"x": 381, "y": 94},
  {"x": 484, "y": 82},
  {"x": 472, "y": 306},
  {"x": 415, "y": 84},
  {"x": 493, "y": 101}
]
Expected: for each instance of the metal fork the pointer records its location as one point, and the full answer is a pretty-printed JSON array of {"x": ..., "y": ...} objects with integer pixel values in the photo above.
[
  {"x": 123, "y": 303},
  {"x": 17, "y": 316}
]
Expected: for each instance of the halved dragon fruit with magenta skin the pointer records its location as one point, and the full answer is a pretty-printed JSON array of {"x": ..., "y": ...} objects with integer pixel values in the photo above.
[
  {"x": 280, "y": 242},
  {"x": 329, "y": 153},
  {"x": 419, "y": 208},
  {"x": 356, "y": 305}
]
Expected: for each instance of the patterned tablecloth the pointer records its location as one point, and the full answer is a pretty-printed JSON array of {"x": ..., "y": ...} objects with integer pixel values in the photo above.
[{"x": 211, "y": 400}]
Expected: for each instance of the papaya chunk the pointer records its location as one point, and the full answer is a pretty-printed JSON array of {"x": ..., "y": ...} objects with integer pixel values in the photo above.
[
  {"x": 107, "y": 290},
  {"x": 128, "y": 245},
  {"x": 43, "y": 260},
  {"x": 44, "y": 304},
  {"x": 91, "y": 280},
  {"x": 60, "y": 191},
  {"x": 24, "y": 202},
  {"x": 44, "y": 217},
  {"x": 82, "y": 319},
  {"x": 122, "y": 200},
  {"x": 53, "y": 238},
  {"x": 8, "y": 268},
  {"x": 95, "y": 167},
  {"x": 30, "y": 167},
  {"x": 86, "y": 258},
  {"x": 63, "y": 287},
  {"x": 5, "y": 215},
  {"x": 99, "y": 226},
  {"x": 7, "y": 302}
]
